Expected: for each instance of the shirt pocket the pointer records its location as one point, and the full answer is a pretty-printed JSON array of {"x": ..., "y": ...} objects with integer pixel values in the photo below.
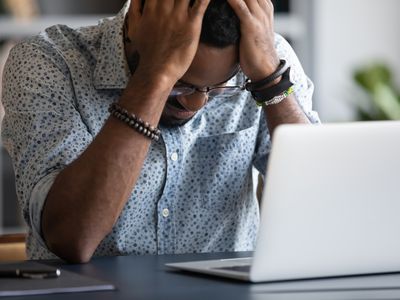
[{"x": 221, "y": 168}]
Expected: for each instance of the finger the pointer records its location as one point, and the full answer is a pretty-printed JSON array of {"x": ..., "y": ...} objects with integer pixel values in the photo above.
[
  {"x": 199, "y": 8},
  {"x": 266, "y": 8},
  {"x": 165, "y": 6},
  {"x": 149, "y": 6},
  {"x": 135, "y": 8},
  {"x": 240, "y": 8},
  {"x": 132, "y": 19},
  {"x": 253, "y": 6},
  {"x": 181, "y": 5},
  {"x": 269, "y": 3},
  {"x": 264, "y": 5},
  {"x": 269, "y": 6}
]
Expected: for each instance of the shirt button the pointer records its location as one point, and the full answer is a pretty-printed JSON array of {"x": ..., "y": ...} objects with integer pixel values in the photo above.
[
  {"x": 165, "y": 212},
  {"x": 174, "y": 156}
]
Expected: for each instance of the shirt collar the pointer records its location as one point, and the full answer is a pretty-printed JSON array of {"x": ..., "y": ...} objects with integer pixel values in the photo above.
[{"x": 112, "y": 70}]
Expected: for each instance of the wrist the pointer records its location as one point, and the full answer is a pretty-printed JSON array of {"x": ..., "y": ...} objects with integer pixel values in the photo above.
[
  {"x": 266, "y": 93},
  {"x": 146, "y": 96},
  {"x": 263, "y": 70},
  {"x": 149, "y": 78},
  {"x": 272, "y": 79}
]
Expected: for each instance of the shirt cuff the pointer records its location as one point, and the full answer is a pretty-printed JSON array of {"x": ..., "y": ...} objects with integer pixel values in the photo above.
[{"x": 38, "y": 198}]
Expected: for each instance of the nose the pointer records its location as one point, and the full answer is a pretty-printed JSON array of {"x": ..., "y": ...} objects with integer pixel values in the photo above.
[{"x": 193, "y": 102}]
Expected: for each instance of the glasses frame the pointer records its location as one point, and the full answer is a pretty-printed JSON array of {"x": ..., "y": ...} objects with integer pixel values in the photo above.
[{"x": 206, "y": 90}]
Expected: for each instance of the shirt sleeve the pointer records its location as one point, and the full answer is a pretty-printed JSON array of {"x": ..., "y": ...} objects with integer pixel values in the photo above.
[
  {"x": 303, "y": 92},
  {"x": 37, "y": 199},
  {"x": 42, "y": 129}
]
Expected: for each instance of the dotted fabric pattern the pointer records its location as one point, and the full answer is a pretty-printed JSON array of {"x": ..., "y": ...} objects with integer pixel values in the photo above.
[{"x": 195, "y": 192}]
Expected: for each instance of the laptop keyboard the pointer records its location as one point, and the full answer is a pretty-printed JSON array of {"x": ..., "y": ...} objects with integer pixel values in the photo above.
[{"x": 244, "y": 269}]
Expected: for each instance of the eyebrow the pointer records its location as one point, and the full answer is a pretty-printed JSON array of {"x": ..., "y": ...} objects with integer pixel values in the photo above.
[{"x": 237, "y": 70}]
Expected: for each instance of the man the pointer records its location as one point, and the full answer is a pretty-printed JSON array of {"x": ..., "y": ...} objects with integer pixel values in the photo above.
[{"x": 94, "y": 182}]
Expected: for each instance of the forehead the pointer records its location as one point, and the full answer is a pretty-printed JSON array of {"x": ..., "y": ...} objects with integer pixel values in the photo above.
[{"x": 212, "y": 65}]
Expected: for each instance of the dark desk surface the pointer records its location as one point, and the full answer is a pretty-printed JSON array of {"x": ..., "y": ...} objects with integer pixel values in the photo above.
[{"x": 146, "y": 278}]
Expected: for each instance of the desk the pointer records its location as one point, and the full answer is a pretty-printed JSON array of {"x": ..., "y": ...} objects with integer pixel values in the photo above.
[{"x": 146, "y": 278}]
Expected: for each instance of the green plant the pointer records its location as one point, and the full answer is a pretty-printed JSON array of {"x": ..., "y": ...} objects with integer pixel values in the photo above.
[{"x": 384, "y": 100}]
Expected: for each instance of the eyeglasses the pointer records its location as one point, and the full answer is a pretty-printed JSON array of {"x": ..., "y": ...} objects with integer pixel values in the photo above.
[{"x": 185, "y": 89}]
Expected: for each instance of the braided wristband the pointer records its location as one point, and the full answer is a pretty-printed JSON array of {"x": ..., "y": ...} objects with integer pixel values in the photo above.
[
  {"x": 134, "y": 122},
  {"x": 269, "y": 95},
  {"x": 277, "y": 99}
]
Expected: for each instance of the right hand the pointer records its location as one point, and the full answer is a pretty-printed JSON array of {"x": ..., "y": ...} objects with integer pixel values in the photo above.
[{"x": 166, "y": 35}]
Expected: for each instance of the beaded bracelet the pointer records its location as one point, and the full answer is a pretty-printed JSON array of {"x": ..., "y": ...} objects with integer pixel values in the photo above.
[{"x": 134, "y": 122}]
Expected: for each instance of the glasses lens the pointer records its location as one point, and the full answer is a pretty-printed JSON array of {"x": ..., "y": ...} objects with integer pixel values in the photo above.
[
  {"x": 182, "y": 90},
  {"x": 224, "y": 91}
]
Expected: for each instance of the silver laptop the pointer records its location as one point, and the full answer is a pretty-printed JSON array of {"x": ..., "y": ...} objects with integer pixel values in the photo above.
[{"x": 330, "y": 207}]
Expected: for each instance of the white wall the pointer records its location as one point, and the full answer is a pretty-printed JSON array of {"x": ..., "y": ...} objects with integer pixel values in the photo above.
[{"x": 347, "y": 34}]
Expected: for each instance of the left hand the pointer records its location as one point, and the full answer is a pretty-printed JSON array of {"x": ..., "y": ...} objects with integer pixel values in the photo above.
[{"x": 258, "y": 57}]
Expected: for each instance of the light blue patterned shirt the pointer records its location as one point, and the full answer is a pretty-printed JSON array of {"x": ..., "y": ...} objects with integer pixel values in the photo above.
[{"x": 195, "y": 191}]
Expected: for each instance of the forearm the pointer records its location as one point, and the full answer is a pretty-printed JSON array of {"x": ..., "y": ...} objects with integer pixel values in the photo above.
[
  {"x": 88, "y": 196},
  {"x": 286, "y": 112}
]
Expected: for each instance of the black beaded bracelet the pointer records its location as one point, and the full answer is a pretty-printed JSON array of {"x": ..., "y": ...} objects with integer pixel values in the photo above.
[{"x": 134, "y": 122}]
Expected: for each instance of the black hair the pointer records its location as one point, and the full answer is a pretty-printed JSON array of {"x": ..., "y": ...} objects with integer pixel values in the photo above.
[{"x": 221, "y": 26}]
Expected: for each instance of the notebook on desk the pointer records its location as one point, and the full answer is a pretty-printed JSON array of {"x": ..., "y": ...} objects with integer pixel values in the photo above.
[
  {"x": 330, "y": 206},
  {"x": 66, "y": 282}
]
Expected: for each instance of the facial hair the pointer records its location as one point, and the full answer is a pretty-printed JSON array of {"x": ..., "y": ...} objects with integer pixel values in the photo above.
[
  {"x": 166, "y": 120},
  {"x": 170, "y": 121}
]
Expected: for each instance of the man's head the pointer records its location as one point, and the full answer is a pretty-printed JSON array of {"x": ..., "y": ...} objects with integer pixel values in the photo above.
[
  {"x": 215, "y": 62},
  {"x": 221, "y": 26}
]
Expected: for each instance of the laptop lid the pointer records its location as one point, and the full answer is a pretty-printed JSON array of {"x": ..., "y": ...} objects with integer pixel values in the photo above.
[{"x": 331, "y": 203}]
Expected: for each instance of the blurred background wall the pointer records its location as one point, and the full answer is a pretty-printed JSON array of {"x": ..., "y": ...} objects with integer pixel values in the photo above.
[
  {"x": 349, "y": 34},
  {"x": 333, "y": 39},
  {"x": 80, "y": 7}
]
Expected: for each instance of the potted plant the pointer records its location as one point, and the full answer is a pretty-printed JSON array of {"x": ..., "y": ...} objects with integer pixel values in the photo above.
[{"x": 383, "y": 98}]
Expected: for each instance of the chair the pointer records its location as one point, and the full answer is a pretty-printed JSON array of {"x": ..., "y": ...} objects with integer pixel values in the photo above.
[{"x": 12, "y": 247}]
